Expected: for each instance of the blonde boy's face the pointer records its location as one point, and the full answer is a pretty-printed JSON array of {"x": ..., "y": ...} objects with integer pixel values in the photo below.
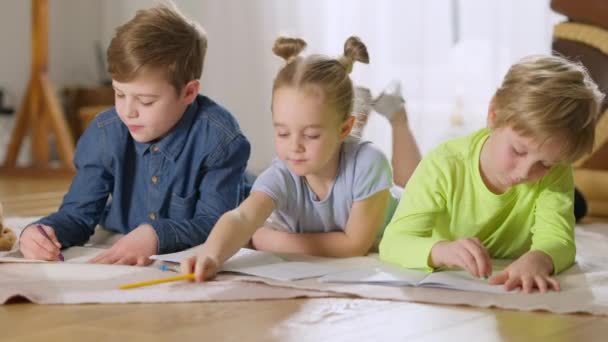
[
  {"x": 307, "y": 134},
  {"x": 149, "y": 105},
  {"x": 509, "y": 159}
]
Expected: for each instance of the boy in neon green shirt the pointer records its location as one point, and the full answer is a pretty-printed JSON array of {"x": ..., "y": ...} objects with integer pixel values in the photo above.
[{"x": 505, "y": 191}]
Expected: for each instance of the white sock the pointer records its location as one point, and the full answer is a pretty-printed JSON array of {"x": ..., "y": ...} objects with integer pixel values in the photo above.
[{"x": 390, "y": 101}]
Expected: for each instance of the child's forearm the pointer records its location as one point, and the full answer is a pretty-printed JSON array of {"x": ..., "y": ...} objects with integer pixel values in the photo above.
[
  {"x": 230, "y": 233},
  {"x": 406, "y": 154},
  {"x": 561, "y": 252},
  {"x": 406, "y": 249},
  {"x": 334, "y": 244}
]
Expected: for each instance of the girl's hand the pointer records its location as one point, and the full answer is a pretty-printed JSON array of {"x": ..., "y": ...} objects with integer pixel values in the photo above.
[
  {"x": 203, "y": 266},
  {"x": 532, "y": 270},
  {"x": 469, "y": 254}
]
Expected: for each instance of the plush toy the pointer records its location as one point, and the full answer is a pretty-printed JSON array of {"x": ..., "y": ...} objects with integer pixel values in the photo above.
[{"x": 7, "y": 236}]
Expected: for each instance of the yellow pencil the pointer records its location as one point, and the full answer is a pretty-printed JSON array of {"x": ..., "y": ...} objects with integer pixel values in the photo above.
[{"x": 158, "y": 281}]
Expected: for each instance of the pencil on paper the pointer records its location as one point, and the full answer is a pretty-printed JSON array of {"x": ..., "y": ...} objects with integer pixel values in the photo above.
[{"x": 189, "y": 276}]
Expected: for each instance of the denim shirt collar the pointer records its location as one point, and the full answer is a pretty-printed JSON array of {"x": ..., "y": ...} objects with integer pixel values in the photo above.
[{"x": 173, "y": 143}]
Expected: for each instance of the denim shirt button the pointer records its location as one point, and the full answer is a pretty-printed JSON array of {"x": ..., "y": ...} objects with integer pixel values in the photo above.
[
  {"x": 154, "y": 179},
  {"x": 152, "y": 216},
  {"x": 155, "y": 148}
]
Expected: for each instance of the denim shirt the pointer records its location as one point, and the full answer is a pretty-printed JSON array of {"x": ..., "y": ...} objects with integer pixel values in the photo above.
[{"x": 180, "y": 184}]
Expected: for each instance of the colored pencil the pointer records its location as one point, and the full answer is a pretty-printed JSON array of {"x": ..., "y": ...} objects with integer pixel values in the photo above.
[
  {"x": 43, "y": 232},
  {"x": 158, "y": 281}
]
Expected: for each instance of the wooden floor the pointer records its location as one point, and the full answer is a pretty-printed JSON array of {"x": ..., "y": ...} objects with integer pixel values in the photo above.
[{"x": 333, "y": 319}]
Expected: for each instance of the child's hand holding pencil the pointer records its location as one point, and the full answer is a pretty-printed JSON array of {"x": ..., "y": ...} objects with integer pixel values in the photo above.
[
  {"x": 158, "y": 281},
  {"x": 198, "y": 268},
  {"x": 39, "y": 242},
  {"x": 204, "y": 267}
]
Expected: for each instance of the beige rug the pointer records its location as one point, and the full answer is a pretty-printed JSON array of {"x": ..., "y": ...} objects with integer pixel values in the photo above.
[
  {"x": 584, "y": 286},
  {"x": 81, "y": 283}
]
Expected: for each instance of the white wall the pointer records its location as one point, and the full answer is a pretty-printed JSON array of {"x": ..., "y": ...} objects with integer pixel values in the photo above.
[
  {"x": 411, "y": 41},
  {"x": 408, "y": 40},
  {"x": 74, "y": 26},
  {"x": 14, "y": 37},
  {"x": 239, "y": 66}
]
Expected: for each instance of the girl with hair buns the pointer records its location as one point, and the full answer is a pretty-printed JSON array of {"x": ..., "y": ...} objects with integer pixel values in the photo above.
[{"x": 326, "y": 193}]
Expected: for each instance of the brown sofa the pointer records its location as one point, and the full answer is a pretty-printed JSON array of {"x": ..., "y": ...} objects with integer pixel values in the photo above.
[{"x": 584, "y": 38}]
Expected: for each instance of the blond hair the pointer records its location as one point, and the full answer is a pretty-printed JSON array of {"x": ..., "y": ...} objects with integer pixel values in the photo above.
[
  {"x": 330, "y": 75},
  {"x": 158, "y": 38},
  {"x": 546, "y": 97}
]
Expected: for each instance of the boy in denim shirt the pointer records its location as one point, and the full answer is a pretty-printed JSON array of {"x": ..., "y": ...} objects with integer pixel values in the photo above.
[{"x": 170, "y": 160}]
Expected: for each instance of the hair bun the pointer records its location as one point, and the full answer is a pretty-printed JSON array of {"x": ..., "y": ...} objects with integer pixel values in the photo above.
[
  {"x": 354, "y": 50},
  {"x": 288, "y": 48}
]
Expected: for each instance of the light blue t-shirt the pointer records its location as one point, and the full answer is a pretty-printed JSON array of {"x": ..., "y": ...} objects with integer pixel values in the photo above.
[{"x": 363, "y": 171}]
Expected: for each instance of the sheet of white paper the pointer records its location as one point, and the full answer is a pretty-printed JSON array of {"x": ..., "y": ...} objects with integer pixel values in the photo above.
[
  {"x": 460, "y": 280},
  {"x": 246, "y": 258},
  {"x": 289, "y": 271},
  {"x": 370, "y": 261},
  {"x": 376, "y": 276},
  {"x": 176, "y": 257},
  {"x": 393, "y": 276},
  {"x": 263, "y": 264}
]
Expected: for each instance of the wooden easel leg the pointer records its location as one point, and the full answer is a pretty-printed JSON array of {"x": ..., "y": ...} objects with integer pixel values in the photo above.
[
  {"x": 40, "y": 109},
  {"x": 19, "y": 130},
  {"x": 38, "y": 136},
  {"x": 41, "y": 148},
  {"x": 65, "y": 142}
]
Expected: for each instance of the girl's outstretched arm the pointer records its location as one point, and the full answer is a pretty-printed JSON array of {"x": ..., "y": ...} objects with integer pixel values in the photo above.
[{"x": 231, "y": 232}]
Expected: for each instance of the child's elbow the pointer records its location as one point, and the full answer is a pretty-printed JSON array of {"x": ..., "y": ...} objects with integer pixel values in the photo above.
[
  {"x": 388, "y": 253},
  {"x": 564, "y": 260},
  {"x": 358, "y": 248},
  {"x": 360, "y": 252},
  {"x": 570, "y": 258},
  {"x": 385, "y": 256},
  {"x": 350, "y": 253}
]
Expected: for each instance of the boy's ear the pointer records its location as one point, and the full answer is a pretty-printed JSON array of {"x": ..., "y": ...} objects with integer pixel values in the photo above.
[
  {"x": 347, "y": 126},
  {"x": 190, "y": 91},
  {"x": 491, "y": 119}
]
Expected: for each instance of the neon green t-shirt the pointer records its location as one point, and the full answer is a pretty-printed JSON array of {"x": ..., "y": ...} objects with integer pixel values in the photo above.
[{"x": 446, "y": 199}]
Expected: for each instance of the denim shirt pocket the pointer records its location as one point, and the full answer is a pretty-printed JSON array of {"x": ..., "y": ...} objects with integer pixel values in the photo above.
[{"x": 183, "y": 207}]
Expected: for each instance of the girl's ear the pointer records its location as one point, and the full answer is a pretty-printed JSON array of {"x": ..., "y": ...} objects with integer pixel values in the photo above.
[
  {"x": 346, "y": 127},
  {"x": 190, "y": 91}
]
